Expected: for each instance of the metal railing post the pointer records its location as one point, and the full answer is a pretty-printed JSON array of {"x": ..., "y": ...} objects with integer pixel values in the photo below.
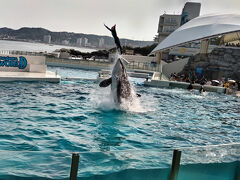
[
  {"x": 74, "y": 166},
  {"x": 237, "y": 174},
  {"x": 175, "y": 164}
]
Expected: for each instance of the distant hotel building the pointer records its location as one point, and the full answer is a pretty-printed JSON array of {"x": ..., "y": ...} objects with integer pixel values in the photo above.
[
  {"x": 47, "y": 39},
  {"x": 65, "y": 42},
  {"x": 83, "y": 42},
  {"x": 169, "y": 23},
  {"x": 86, "y": 43},
  {"x": 79, "y": 42},
  {"x": 101, "y": 43}
]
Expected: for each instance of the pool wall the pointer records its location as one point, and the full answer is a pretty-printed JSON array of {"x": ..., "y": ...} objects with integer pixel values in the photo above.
[{"x": 216, "y": 171}]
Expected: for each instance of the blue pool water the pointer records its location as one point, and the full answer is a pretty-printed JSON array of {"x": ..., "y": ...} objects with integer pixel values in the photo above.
[{"x": 43, "y": 123}]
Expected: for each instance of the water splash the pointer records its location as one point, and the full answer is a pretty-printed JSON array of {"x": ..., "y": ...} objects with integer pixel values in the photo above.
[
  {"x": 131, "y": 103},
  {"x": 102, "y": 99}
]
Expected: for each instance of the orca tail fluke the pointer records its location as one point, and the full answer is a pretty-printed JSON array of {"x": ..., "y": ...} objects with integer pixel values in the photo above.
[
  {"x": 116, "y": 39},
  {"x": 107, "y": 27}
]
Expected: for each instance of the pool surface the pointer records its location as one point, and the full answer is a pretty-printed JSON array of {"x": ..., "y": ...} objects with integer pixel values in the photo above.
[{"x": 43, "y": 123}]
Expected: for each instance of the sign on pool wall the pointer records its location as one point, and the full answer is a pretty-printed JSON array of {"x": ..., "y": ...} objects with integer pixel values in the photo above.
[{"x": 20, "y": 62}]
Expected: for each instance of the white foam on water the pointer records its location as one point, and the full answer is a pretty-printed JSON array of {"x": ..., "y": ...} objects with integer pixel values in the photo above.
[
  {"x": 102, "y": 99},
  {"x": 131, "y": 104}
]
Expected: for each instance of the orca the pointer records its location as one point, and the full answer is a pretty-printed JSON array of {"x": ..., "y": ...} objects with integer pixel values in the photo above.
[{"x": 120, "y": 86}]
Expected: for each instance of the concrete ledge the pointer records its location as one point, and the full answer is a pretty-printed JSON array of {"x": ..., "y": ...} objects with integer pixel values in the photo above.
[
  {"x": 26, "y": 76},
  {"x": 37, "y": 60},
  {"x": 183, "y": 85},
  {"x": 37, "y": 68},
  {"x": 77, "y": 79},
  {"x": 157, "y": 83},
  {"x": 76, "y": 66}
]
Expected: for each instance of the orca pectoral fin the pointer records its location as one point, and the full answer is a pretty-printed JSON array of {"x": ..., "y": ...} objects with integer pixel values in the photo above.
[{"x": 106, "y": 82}]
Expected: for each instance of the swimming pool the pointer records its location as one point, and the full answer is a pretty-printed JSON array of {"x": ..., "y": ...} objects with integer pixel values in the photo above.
[{"x": 43, "y": 123}]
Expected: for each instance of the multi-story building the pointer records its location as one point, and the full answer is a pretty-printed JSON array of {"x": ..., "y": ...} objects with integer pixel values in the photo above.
[
  {"x": 47, "y": 39},
  {"x": 79, "y": 42},
  {"x": 190, "y": 11},
  {"x": 169, "y": 23},
  {"x": 85, "y": 41},
  {"x": 65, "y": 42},
  {"x": 101, "y": 43}
]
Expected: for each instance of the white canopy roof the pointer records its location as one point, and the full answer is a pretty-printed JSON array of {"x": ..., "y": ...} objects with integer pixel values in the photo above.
[{"x": 202, "y": 27}]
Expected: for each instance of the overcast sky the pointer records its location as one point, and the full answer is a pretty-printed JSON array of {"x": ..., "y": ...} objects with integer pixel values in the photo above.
[{"x": 135, "y": 19}]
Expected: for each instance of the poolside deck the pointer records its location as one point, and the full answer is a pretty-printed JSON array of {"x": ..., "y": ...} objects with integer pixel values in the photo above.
[
  {"x": 29, "y": 76},
  {"x": 183, "y": 85}
]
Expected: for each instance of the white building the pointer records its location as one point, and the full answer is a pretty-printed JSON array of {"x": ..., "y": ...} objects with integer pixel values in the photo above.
[
  {"x": 86, "y": 43},
  {"x": 101, "y": 43},
  {"x": 85, "y": 40},
  {"x": 65, "y": 42},
  {"x": 47, "y": 39},
  {"x": 79, "y": 41},
  {"x": 169, "y": 22}
]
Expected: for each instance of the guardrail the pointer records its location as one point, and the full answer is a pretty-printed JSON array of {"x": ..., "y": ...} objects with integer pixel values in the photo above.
[
  {"x": 148, "y": 66},
  {"x": 174, "y": 168},
  {"x": 212, "y": 152},
  {"x": 208, "y": 162}
]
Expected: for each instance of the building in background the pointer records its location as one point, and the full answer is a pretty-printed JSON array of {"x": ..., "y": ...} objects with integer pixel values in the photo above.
[
  {"x": 86, "y": 43},
  {"x": 65, "y": 42},
  {"x": 47, "y": 39},
  {"x": 167, "y": 24},
  {"x": 79, "y": 41},
  {"x": 170, "y": 22},
  {"x": 101, "y": 43},
  {"x": 190, "y": 11}
]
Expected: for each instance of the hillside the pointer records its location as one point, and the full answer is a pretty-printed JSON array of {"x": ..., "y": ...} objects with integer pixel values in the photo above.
[{"x": 67, "y": 38}]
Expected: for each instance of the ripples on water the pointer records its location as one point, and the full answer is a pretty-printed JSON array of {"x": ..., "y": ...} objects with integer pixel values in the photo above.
[{"x": 79, "y": 116}]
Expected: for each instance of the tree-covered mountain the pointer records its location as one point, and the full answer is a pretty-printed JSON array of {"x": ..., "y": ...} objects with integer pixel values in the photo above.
[{"x": 37, "y": 34}]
